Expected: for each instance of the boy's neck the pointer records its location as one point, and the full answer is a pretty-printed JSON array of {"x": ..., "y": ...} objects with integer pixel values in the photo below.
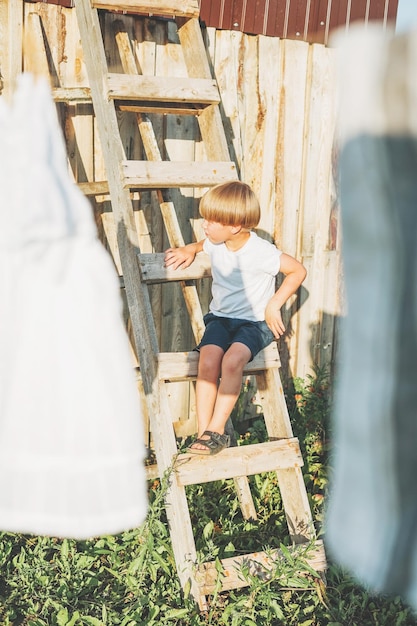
[{"x": 237, "y": 240}]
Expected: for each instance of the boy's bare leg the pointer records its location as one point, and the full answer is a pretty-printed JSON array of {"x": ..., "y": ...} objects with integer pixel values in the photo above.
[
  {"x": 207, "y": 382},
  {"x": 232, "y": 364}
]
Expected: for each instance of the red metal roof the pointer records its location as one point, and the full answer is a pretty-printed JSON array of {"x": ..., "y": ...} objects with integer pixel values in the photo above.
[{"x": 306, "y": 20}]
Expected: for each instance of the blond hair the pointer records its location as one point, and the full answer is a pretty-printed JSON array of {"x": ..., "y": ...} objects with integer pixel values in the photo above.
[{"x": 232, "y": 204}]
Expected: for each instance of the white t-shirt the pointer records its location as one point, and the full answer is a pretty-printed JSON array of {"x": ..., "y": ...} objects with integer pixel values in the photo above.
[{"x": 243, "y": 281}]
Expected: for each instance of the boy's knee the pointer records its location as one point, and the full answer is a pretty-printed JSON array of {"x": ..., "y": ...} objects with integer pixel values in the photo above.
[
  {"x": 209, "y": 366},
  {"x": 234, "y": 363}
]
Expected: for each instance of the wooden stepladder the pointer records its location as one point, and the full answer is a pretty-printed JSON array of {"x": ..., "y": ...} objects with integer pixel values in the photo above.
[{"x": 196, "y": 95}]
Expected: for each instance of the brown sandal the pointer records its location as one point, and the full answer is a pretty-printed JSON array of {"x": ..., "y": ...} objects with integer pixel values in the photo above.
[{"x": 215, "y": 444}]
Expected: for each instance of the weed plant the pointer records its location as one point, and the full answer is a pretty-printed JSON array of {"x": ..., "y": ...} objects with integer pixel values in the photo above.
[{"x": 130, "y": 579}]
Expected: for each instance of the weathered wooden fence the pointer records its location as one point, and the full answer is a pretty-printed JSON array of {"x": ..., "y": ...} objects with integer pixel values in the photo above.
[{"x": 278, "y": 102}]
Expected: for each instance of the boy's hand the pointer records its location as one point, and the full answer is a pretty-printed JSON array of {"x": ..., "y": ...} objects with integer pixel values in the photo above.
[
  {"x": 294, "y": 273},
  {"x": 273, "y": 319},
  {"x": 179, "y": 257}
]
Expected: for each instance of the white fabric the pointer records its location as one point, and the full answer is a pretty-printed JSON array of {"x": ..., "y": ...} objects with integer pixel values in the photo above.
[
  {"x": 71, "y": 440},
  {"x": 243, "y": 281}
]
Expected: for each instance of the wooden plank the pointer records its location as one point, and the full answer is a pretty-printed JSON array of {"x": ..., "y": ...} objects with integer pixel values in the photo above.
[
  {"x": 151, "y": 38},
  {"x": 166, "y": 174},
  {"x": 100, "y": 189},
  {"x": 11, "y": 45},
  {"x": 154, "y": 271},
  {"x": 272, "y": 400},
  {"x": 228, "y": 71},
  {"x": 152, "y": 472},
  {"x": 291, "y": 481},
  {"x": 71, "y": 94},
  {"x": 251, "y": 112},
  {"x": 316, "y": 203},
  {"x": 290, "y": 168},
  {"x": 184, "y": 423},
  {"x": 332, "y": 309},
  {"x": 192, "y": 469},
  {"x": 290, "y": 165},
  {"x": 68, "y": 75},
  {"x": 264, "y": 159},
  {"x": 96, "y": 188},
  {"x": 258, "y": 563},
  {"x": 162, "y": 88},
  {"x": 183, "y": 365},
  {"x": 258, "y": 94},
  {"x": 35, "y": 59},
  {"x": 170, "y": 8},
  {"x": 168, "y": 108},
  {"x": 109, "y": 227}
]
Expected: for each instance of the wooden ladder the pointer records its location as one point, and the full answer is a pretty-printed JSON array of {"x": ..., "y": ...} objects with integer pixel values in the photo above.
[{"x": 195, "y": 95}]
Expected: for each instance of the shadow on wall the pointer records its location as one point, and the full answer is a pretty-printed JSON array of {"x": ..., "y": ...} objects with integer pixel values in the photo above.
[{"x": 323, "y": 342}]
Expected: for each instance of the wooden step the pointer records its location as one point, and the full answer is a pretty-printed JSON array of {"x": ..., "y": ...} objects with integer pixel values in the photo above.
[
  {"x": 71, "y": 94},
  {"x": 163, "y": 8},
  {"x": 172, "y": 174},
  {"x": 101, "y": 188},
  {"x": 258, "y": 564},
  {"x": 162, "y": 89},
  {"x": 193, "y": 469},
  {"x": 154, "y": 271},
  {"x": 95, "y": 188},
  {"x": 166, "y": 108},
  {"x": 176, "y": 366},
  {"x": 149, "y": 94}
]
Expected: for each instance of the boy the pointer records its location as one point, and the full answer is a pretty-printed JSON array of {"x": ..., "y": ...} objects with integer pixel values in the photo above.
[{"x": 244, "y": 314}]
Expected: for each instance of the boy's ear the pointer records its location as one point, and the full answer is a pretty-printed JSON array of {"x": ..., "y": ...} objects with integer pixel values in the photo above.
[{"x": 236, "y": 229}]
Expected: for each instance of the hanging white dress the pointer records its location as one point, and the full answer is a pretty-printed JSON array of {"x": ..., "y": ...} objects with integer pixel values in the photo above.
[{"x": 71, "y": 433}]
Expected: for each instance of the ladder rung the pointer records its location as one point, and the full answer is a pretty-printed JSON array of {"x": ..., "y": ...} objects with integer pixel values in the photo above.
[
  {"x": 176, "y": 366},
  {"x": 259, "y": 564},
  {"x": 71, "y": 94},
  {"x": 170, "y": 174},
  {"x": 170, "y": 8},
  {"x": 154, "y": 271},
  {"x": 162, "y": 89},
  {"x": 101, "y": 188},
  {"x": 168, "y": 108},
  {"x": 97, "y": 188},
  {"x": 193, "y": 469}
]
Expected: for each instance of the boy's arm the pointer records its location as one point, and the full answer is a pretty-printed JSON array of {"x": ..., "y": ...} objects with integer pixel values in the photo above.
[
  {"x": 183, "y": 256},
  {"x": 295, "y": 273}
]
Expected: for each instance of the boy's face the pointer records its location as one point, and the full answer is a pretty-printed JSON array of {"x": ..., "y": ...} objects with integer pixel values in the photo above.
[{"x": 219, "y": 233}]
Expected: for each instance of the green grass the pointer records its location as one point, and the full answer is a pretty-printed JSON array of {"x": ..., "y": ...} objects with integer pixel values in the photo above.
[{"x": 130, "y": 579}]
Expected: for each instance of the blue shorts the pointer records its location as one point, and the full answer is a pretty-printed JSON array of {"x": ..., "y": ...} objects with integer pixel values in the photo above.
[{"x": 223, "y": 331}]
